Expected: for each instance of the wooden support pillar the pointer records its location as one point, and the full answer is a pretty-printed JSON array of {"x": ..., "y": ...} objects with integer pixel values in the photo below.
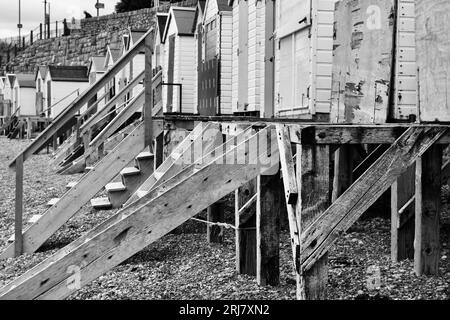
[
  {"x": 428, "y": 207},
  {"x": 313, "y": 171},
  {"x": 18, "y": 241},
  {"x": 402, "y": 214},
  {"x": 148, "y": 103},
  {"x": 268, "y": 207},
  {"x": 245, "y": 221},
  {"x": 215, "y": 213},
  {"x": 343, "y": 170}
]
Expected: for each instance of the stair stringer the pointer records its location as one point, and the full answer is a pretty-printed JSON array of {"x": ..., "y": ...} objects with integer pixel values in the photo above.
[
  {"x": 141, "y": 223},
  {"x": 74, "y": 199}
]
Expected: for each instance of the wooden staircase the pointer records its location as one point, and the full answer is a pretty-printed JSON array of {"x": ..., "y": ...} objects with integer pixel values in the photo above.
[
  {"x": 62, "y": 209},
  {"x": 142, "y": 222}
]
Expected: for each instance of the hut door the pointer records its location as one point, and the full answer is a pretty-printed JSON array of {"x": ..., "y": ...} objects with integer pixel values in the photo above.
[
  {"x": 170, "y": 73},
  {"x": 208, "y": 87}
]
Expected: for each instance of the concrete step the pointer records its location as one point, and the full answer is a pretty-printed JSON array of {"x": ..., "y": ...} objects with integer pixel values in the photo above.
[
  {"x": 89, "y": 168},
  {"x": 101, "y": 203},
  {"x": 115, "y": 187}
]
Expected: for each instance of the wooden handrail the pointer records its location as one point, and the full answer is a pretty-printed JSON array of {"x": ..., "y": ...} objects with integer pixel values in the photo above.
[
  {"x": 69, "y": 112},
  {"x": 118, "y": 120},
  {"x": 99, "y": 114},
  {"x": 123, "y": 115},
  {"x": 92, "y": 106}
]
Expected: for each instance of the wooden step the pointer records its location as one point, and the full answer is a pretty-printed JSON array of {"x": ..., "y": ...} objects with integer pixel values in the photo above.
[
  {"x": 52, "y": 202},
  {"x": 130, "y": 171},
  {"x": 101, "y": 203},
  {"x": 115, "y": 187},
  {"x": 144, "y": 155},
  {"x": 71, "y": 184},
  {"x": 34, "y": 218}
]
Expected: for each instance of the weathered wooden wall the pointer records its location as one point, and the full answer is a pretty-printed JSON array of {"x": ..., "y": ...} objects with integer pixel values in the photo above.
[
  {"x": 362, "y": 62},
  {"x": 433, "y": 58}
]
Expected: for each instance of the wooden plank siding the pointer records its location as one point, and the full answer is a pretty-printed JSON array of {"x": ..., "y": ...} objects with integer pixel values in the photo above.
[{"x": 433, "y": 59}]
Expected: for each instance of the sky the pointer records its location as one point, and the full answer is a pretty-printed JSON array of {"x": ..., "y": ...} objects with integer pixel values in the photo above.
[{"x": 33, "y": 13}]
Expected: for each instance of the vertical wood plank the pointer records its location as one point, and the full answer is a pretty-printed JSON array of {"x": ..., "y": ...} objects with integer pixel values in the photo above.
[
  {"x": 148, "y": 103},
  {"x": 313, "y": 170},
  {"x": 268, "y": 204},
  {"x": 428, "y": 206},
  {"x": 18, "y": 243},
  {"x": 159, "y": 150},
  {"x": 402, "y": 224}
]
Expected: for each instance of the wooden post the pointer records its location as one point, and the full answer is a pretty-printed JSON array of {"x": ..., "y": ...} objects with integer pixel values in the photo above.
[
  {"x": 245, "y": 221},
  {"x": 31, "y": 37},
  {"x": 40, "y": 31},
  {"x": 313, "y": 170},
  {"x": 18, "y": 241},
  {"x": 268, "y": 208},
  {"x": 402, "y": 213},
  {"x": 428, "y": 206},
  {"x": 215, "y": 213},
  {"x": 29, "y": 128},
  {"x": 148, "y": 104}
]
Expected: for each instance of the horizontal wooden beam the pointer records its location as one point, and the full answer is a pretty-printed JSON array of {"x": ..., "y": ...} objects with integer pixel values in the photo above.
[
  {"x": 341, "y": 215},
  {"x": 339, "y": 135}
]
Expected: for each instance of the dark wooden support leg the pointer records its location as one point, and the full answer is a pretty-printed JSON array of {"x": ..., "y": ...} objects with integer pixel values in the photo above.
[
  {"x": 216, "y": 213},
  {"x": 245, "y": 222},
  {"x": 313, "y": 181},
  {"x": 159, "y": 150},
  {"x": 428, "y": 207},
  {"x": 402, "y": 216},
  {"x": 268, "y": 206}
]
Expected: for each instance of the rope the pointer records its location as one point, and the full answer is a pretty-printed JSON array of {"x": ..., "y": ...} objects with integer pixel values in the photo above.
[{"x": 222, "y": 224}]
